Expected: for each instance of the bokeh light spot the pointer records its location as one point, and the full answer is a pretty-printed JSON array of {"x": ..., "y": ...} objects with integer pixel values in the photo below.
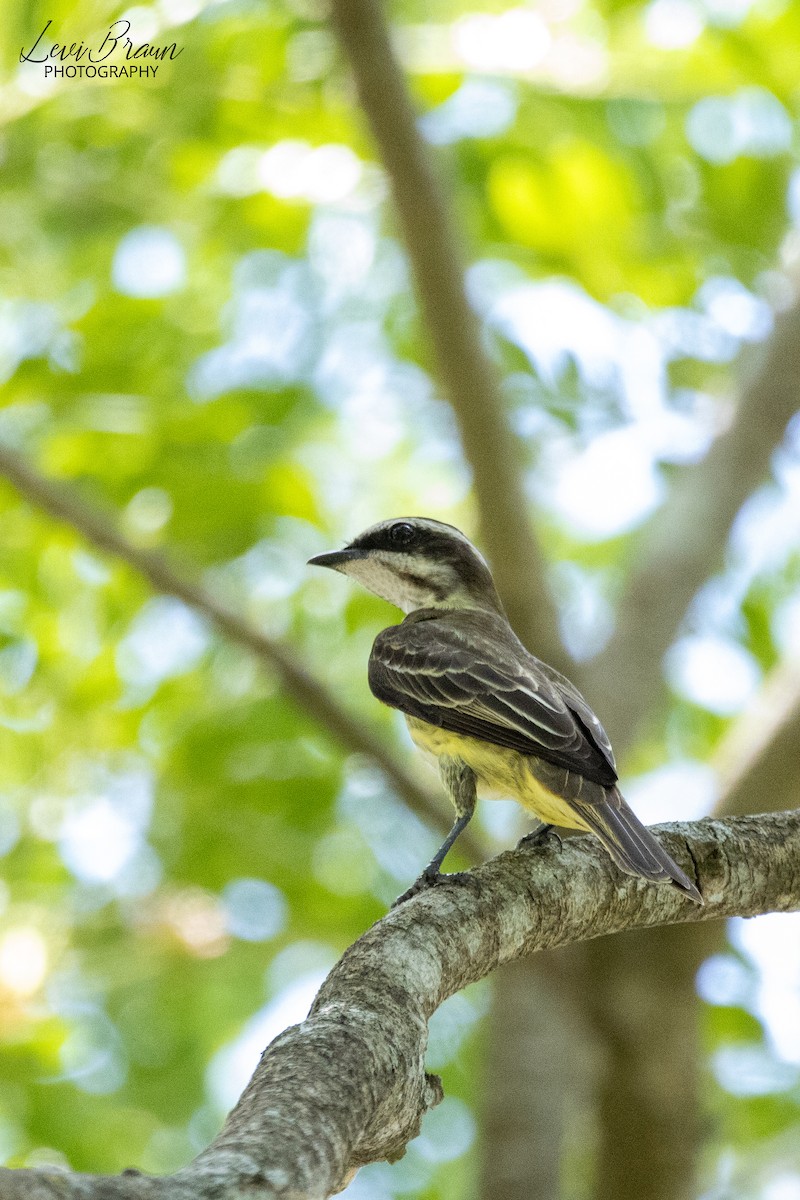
[
  {"x": 255, "y": 910},
  {"x": 23, "y": 960},
  {"x": 149, "y": 262},
  {"x": 713, "y": 672}
]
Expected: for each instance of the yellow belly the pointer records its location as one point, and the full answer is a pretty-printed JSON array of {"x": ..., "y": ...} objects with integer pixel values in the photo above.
[{"x": 499, "y": 772}]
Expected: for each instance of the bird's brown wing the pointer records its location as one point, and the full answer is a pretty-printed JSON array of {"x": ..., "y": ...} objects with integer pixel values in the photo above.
[{"x": 465, "y": 672}]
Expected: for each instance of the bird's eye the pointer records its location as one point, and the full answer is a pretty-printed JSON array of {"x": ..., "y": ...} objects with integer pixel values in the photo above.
[{"x": 402, "y": 534}]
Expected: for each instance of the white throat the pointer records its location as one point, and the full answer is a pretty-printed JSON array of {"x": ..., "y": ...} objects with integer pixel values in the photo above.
[
  {"x": 409, "y": 583},
  {"x": 378, "y": 577}
]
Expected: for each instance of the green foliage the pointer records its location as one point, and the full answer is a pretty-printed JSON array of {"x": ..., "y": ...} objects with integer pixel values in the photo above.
[{"x": 268, "y": 401}]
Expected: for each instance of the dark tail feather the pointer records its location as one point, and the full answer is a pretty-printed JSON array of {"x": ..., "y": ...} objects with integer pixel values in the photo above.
[{"x": 631, "y": 844}]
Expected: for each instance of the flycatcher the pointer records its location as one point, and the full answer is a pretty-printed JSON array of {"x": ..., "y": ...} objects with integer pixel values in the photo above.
[{"x": 499, "y": 721}]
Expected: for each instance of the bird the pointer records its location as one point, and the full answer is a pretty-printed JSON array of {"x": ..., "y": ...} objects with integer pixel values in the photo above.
[{"x": 497, "y": 720}]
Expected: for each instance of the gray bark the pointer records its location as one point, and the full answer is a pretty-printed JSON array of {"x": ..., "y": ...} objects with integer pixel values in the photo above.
[{"x": 348, "y": 1085}]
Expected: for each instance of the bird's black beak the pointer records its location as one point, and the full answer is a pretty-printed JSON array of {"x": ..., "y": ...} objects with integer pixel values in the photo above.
[{"x": 336, "y": 559}]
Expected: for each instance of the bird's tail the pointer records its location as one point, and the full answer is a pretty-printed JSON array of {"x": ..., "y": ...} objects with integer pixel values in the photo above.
[{"x": 631, "y": 844}]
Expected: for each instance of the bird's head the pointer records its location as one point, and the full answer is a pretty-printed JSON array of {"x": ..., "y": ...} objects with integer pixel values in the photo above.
[{"x": 414, "y": 562}]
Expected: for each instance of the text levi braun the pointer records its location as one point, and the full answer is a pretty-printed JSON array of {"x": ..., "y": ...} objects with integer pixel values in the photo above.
[{"x": 96, "y": 59}]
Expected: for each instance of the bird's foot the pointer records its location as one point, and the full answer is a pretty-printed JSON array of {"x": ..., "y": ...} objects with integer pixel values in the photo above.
[
  {"x": 435, "y": 878},
  {"x": 540, "y": 837}
]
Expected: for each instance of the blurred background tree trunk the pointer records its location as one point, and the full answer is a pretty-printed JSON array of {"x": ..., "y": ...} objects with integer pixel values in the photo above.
[
  {"x": 639, "y": 1057},
  {"x": 640, "y": 993},
  {"x": 536, "y": 1079}
]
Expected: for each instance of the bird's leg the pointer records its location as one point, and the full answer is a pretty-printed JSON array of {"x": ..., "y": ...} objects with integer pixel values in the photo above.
[
  {"x": 540, "y": 836},
  {"x": 459, "y": 779}
]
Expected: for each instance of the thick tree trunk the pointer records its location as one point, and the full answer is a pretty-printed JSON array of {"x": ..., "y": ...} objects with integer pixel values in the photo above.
[
  {"x": 648, "y": 1119},
  {"x": 536, "y": 1065}
]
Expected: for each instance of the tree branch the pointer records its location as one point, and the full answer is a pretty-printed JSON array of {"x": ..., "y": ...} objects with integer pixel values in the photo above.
[
  {"x": 309, "y": 693},
  {"x": 469, "y": 380},
  {"x": 757, "y": 760},
  {"x": 678, "y": 551},
  {"x": 348, "y": 1085}
]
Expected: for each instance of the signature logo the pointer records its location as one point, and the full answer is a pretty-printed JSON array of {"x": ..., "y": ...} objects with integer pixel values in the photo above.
[{"x": 84, "y": 61}]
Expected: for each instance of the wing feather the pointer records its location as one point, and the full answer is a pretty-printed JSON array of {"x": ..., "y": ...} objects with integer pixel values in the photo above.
[{"x": 467, "y": 673}]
